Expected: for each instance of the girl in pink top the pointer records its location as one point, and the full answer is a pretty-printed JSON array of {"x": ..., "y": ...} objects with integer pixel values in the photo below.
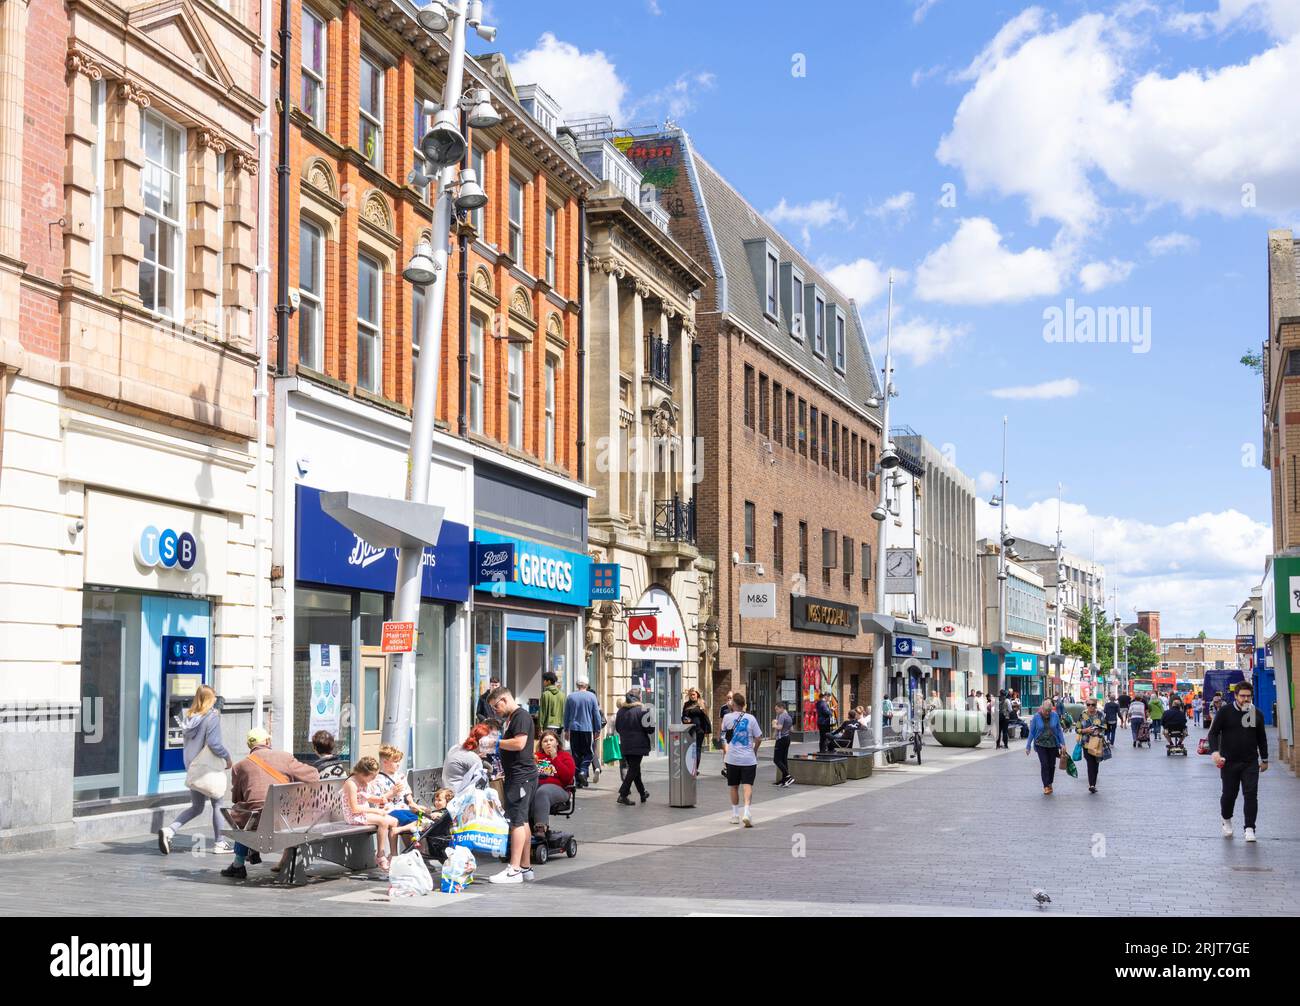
[{"x": 357, "y": 808}]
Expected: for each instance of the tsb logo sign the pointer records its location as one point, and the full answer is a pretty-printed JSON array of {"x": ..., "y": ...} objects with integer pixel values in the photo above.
[{"x": 166, "y": 548}]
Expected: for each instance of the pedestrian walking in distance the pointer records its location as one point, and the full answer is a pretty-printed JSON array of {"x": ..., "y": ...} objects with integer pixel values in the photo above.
[
  {"x": 1093, "y": 730},
  {"x": 1004, "y": 720},
  {"x": 781, "y": 727},
  {"x": 635, "y": 726},
  {"x": 1046, "y": 738},
  {"x": 204, "y": 753},
  {"x": 582, "y": 724},
  {"x": 1111, "y": 715},
  {"x": 693, "y": 712},
  {"x": 1240, "y": 748},
  {"x": 743, "y": 736},
  {"x": 825, "y": 721}
]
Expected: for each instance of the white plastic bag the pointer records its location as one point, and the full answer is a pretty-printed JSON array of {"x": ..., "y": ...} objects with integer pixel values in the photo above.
[
  {"x": 457, "y": 870},
  {"x": 408, "y": 877},
  {"x": 478, "y": 822}
]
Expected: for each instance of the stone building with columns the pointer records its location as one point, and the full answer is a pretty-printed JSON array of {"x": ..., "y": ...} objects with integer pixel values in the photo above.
[
  {"x": 128, "y": 545},
  {"x": 642, "y": 292}
]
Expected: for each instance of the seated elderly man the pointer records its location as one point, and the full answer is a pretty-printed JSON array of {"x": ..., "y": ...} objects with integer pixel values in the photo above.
[{"x": 250, "y": 780}]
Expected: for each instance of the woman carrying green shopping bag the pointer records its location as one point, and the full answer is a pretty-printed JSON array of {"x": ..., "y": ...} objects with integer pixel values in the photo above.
[{"x": 1092, "y": 738}]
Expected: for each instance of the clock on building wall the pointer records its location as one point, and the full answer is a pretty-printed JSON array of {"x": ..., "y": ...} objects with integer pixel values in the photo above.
[{"x": 900, "y": 571}]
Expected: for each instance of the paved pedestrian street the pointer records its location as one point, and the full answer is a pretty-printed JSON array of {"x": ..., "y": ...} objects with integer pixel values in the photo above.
[{"x": 968, "y": 832}]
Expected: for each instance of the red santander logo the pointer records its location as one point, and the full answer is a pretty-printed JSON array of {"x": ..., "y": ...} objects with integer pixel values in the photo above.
[{"x": 643, "y": 629}]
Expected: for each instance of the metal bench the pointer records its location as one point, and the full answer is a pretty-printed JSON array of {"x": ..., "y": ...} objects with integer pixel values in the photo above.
[
  {"x": 306, "y": 820},
  {"x": 424, "y": 783}
]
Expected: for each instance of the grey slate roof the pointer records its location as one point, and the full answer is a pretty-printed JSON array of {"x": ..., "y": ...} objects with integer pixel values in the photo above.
[
  {"x": 1034, "y": 551},
  {"x": 734, "y": 221}
]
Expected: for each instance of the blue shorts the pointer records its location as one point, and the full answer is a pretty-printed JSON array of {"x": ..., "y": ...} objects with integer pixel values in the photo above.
[{"x": 403, "y": 816}]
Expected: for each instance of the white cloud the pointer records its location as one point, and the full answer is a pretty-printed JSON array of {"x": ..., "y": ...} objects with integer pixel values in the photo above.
[
  {"x": 921, "y": 74},
  {"x": 986, "y": 482},
  {"x": 918, "y": 340},
  {"x": 1279, "y": 17},
  {"x": 676, "y": 99},
  {"x": 805, "y": 216},
  {"x": 1096, "y": 275},
  {"x": 862, "y": 279},
  {"x": 974, "y": 267},
  {"x": 653, "y": 7},
  {"x": 898, "y": 205},
  {"x": 920, "y": 8},
  {"x": 1189, "y": 570},
  {"x": 1174, "y": 241},
  {"x": 584, "y": 83},
  {"x": 1053, "y": 108},
  {"x": 1065, "y": 387}
]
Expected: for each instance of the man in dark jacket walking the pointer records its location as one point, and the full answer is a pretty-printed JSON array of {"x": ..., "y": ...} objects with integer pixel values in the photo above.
[
  {"x": 635, "y": 725},
  {"x": 1237, "y": 736},
  {"x": 1111, "y": 714}
]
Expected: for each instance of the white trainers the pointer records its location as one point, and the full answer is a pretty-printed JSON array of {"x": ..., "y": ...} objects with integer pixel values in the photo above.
[
  {"x": 509, "y": 876},
  {"x": 746, "y": 821},
  {"x": 528, "y": 874},
  {"x": 165, "y": 836},
  {"x": 1250, "y": 834},
  {"x": 1227, "y": 829},
  {"x": 222, "y": 848}
]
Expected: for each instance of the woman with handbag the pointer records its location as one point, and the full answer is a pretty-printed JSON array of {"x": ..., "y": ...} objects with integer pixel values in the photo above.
[
  {"x": 206, "y": 763},
  {"x": 1092, "y": 731},
  {"x": 1046, "y": 738}
]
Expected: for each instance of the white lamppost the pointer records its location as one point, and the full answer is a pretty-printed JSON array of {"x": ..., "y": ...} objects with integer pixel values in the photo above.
[{"x": 414, "y": 524}]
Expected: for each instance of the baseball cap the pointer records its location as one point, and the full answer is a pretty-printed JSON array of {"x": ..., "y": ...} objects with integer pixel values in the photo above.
[{"x": 257, "y": 736}]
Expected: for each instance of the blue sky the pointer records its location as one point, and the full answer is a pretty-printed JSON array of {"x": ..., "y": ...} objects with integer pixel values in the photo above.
[{"x": 1126, "y": 155}]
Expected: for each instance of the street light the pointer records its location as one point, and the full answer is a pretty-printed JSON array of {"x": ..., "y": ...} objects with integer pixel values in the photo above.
[
  {"x": 888, "y": 460},
  {"x": 482, "y": 114},
  {"x": 471, "y": 195},
  {"x": 433, "y": 16},
  {"x": 443, "y": 147}
]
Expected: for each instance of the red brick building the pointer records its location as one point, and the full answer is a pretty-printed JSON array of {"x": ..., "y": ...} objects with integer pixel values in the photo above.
[{"x": 788, "y": 445}]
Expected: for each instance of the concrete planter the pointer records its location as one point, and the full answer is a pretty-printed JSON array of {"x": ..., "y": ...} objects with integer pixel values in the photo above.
[
  {"x": 819, "y": 770},
  {"x": 957, "y": 728},
  {"x": 859, "y": 765}
]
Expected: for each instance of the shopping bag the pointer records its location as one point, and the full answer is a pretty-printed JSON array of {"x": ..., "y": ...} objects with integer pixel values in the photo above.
[
  {"x": 1071, "y": 769},
  {"x": 611, "y": 749},
  {"x": 477, "y": 822},
  {"x": 1203, "y": 746},
  {"x": 206, "y": 774},
  {"x": 1095, "y": 746},
  {"x": 408, "y": 877},
  {"x": 1078, "y": 750},
  {"x": 457, "y": 870},
  {"x": 1063, "y": 760},
  {"x": 1106, "y": 751}
]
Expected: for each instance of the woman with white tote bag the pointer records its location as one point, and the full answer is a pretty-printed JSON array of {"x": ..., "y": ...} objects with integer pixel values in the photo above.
[{"x": 206, "y": 763}]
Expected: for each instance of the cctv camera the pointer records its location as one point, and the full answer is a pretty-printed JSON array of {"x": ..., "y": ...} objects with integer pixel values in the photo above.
[
  {"x": 735, "y": 558},
  {"x": 760, "y": 569},
  {"x": 76, "y": 526}
]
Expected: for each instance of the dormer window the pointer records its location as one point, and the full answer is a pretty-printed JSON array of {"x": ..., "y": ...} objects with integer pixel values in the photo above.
[
  {"x": 773, "y": 269},
  {"x": 839, "y": 341},
  {"x": 796, "y": 305},
  {"x": 819, "y": 325}
]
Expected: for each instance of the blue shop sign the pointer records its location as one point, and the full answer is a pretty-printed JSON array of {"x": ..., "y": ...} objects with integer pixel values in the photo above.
[
  {"x": 329, "y": 553},
  {"x": 539, "y": 571},
  {"x": 1018, "y": 664},
  {"x": 493, "y": 562},
  {"x": 605, "y": 581}
]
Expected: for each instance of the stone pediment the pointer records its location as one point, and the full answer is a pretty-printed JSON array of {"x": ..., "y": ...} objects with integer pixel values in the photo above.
[{"x": 174, "y": 26}]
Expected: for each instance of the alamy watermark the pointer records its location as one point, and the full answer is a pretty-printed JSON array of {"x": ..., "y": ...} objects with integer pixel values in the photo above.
[{"x": 1080, "y": 323}]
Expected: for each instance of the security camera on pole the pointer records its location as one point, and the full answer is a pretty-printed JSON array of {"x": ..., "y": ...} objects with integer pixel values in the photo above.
[{"x": 413, "y": 524}]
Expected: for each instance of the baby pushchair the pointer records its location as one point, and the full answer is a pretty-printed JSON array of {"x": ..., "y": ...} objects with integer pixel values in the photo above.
[
  {"x": 1174, "y": 742},
  {"x": 1142, "y": 735},
  {"x": 432, "y": 836}
]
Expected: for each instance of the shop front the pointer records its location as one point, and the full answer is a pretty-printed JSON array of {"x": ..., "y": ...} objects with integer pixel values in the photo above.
[
  {"x": 656, "y": 644},
  {"x": 153, "y": 573},
  {"x": 1022, "y": 672},
  {"x": 532, "y": 577},
  {"x": 343, "y": 594},
  {"x": 911, "y": 673}
]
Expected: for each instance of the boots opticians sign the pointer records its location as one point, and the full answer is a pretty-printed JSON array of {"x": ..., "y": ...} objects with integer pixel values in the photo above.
[{"x": 165, "y": 547}]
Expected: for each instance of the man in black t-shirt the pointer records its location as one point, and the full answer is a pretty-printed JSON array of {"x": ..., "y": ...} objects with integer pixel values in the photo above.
[{"x": 520, "y": 783}]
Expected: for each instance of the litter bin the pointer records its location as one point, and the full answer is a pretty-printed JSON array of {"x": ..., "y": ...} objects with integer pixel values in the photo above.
[{"x": 682, "y": 763}]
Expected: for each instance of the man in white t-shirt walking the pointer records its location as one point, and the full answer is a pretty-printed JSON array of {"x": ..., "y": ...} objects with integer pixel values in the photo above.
[{"x": 741, "y": 738}]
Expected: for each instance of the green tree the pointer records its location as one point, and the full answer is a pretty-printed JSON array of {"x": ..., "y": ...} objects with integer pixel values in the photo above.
[
  {"x": 1253, "y": 361},
  {"x": 1105, "y": 639},
  {"x": 1142, "y": 656}
]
